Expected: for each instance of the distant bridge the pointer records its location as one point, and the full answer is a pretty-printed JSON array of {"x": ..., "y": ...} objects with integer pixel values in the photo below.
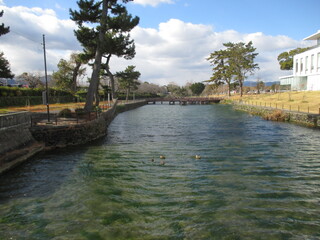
[{"x": 185, "y": 100}]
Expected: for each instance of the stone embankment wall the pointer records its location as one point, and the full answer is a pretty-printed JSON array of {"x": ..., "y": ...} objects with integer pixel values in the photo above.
[
  {"x": 70, "y": 135},
  {"x": 19, "y": 141},
  {"x": 304, "y": 119},
  {"x": 16, "y": 141}
]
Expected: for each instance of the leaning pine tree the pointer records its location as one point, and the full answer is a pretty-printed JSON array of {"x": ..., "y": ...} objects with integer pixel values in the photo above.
[
  {"x": 96, "y": 13},
  {"x": 119, "y": 42}
]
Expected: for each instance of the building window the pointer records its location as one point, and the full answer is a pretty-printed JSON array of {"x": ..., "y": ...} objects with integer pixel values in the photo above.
[
  {"x": 307, "y": 58},
  {"x": 312, "y": 62},
  {"x": 301, "y": 64},
  {"x": 297, "y": 66}
]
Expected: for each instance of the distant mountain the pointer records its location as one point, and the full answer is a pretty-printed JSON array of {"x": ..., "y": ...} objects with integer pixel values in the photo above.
[
  {"x": 14, "y": 82},
  {"x": 254, "y": 83}
]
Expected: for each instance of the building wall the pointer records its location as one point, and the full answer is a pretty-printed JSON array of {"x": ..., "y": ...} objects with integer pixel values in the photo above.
[
  {"x": 314, "y": 83},
  {"x": 307, "y": 63},
  {"x": 306, "y": 70}
]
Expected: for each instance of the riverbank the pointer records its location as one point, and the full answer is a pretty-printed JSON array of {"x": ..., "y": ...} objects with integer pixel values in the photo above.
[
  {"x": 273, "y": 114},
  {"x": 19, "y": 140},
  {"x": 16, "y": 141},
  {"x": 306, "y": 101}
]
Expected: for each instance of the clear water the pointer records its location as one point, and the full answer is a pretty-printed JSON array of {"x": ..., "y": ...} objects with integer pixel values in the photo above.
[{"x": 255, "y": 180}]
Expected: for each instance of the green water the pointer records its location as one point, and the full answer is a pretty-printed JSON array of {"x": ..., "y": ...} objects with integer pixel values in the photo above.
[{"x": 255, "y": 180}]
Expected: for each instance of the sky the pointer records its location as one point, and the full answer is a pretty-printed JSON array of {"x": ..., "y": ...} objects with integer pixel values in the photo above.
[{"x": 173, "y": 38}]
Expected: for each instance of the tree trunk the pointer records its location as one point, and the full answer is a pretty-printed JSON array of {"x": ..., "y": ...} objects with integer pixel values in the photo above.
[
  {"x": 75, "y": 75},
  {"x": 97, "y": 95},
  {"x": 128, "y": 92},
  {"x": 229, "y": 92},
  {"x": 97, "y": 60},
  {"x": 110, "y": 75}
]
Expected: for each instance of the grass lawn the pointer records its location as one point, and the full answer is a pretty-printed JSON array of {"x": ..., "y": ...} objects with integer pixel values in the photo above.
[
  {"x": 52, "y": 107},
  {"x": 307, "y": 101}
]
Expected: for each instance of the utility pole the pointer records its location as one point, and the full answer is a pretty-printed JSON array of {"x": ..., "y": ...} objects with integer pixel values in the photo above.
[{"x": 46, "y": 77}]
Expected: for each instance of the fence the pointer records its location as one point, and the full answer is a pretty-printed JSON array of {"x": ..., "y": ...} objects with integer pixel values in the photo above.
[
  {"x": 55, "y": 119},
  {"x": 71, "y": 118},
  {"x": 303, "y": 108},
  {"x": 14, "y": 119}
]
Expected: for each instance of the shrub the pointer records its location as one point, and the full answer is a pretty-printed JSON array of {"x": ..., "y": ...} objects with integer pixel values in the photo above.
[
  {"x": 276, "y": 115},
  {"x": 97, "y": 109},
  {"x": 65, "y": 113}
]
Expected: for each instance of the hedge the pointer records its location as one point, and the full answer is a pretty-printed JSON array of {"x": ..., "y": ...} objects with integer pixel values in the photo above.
[
  {"x": 15, "y": 96},
  {"x": 122, "y": 96},
  {"x": 18, "y": 92},
  {"x": 35, "y": 100}
]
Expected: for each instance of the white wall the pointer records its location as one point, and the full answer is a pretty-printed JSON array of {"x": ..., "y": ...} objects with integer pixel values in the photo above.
[
  {"x": 314, "y": 83},
  {"x": 305, "y": 65}
]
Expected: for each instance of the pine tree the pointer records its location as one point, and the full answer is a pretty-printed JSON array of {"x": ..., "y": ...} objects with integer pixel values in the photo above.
[
  {"x": 221, "y": 69},
  {"x": 3, "y": 29},
  {"x": 99, "y": 14},
  {"x": 241, "y": 61},
  {"x": 128, "y": 79},
  {"x": 233, "y": 64},
  {"x": 5, "y": 71},
  {"x": 119, "y": 43}
]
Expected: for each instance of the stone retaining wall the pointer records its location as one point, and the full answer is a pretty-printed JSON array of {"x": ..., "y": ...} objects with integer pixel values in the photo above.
[
  {"x": 20, "y": 141},
  {"x": 16, "y": 141},
  {"x": 69, "y": 135},
  {"x": 305, "y": 119}
]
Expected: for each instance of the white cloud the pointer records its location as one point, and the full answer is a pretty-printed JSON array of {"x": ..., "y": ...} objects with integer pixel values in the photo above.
[
  {"x": 174, "y": 52},
  {"x": 152, "y": 3},
  {"x": 177, "y": 51},
  {"x": 57, "y": 6},
  {"x": 22, "y": 45}
]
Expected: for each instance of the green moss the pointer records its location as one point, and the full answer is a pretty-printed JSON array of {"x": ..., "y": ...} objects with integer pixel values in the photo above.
[
  {"x": 119, "y": 217},
  {"x": 92, "y": 235}
]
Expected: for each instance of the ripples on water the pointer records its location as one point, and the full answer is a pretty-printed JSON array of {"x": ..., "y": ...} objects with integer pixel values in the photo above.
[{"x": 255, "y": 180}]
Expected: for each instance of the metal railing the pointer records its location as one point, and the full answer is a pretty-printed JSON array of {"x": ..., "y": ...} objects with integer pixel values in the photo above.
[{"x": 281, "y": 106}]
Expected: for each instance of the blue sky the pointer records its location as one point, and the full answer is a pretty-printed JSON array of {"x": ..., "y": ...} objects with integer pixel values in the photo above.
[
  {"x": 174, "y": 37},
  {"x": 294, "y": 18}
]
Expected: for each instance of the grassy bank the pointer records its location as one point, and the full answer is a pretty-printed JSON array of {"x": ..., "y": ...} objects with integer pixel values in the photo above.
[{"x": 307, "y": 101}]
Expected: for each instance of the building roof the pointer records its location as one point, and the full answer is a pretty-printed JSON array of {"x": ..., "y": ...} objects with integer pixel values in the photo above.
[{"x": 314, "y": 36}]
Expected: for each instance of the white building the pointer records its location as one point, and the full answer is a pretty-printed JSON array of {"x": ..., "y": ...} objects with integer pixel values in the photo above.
[{"x": 306, "y": 69}]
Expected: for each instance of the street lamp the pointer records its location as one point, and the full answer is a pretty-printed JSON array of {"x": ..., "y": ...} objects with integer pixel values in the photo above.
[{"x": 46, "y": 77}]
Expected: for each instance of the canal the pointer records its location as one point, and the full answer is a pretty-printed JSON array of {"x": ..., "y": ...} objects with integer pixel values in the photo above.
[{"x": 255, "y": 180}]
